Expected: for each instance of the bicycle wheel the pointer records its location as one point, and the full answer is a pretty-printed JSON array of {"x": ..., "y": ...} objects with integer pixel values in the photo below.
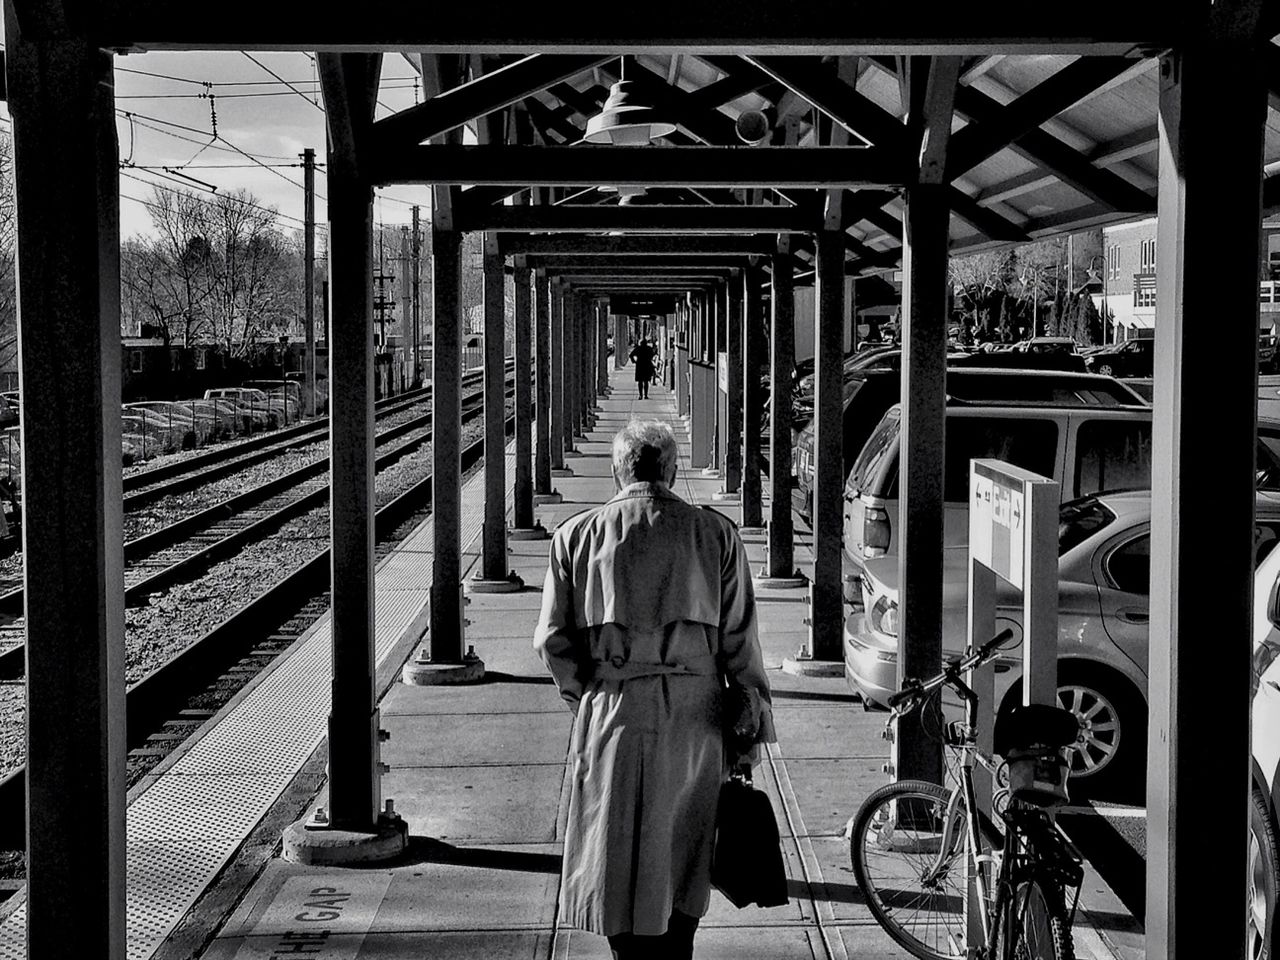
[
  {"x": 915, "y": 889},
  {"x": 1035, "y": 925}
]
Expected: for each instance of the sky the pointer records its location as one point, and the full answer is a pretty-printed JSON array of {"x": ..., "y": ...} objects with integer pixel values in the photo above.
[{"x": 268, "y": 109}]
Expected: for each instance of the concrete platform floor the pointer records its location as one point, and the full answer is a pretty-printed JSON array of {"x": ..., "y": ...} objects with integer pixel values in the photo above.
[{"x": 479, "y": 773}]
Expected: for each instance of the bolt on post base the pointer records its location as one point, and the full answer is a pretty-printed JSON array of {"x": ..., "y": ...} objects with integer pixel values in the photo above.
[
  {"x": 511, "y": 583},
  {"x": 315, "y": 841},
  {"x": 765, "y": 582},
  {"x": 422, "y": 671},
  {"x": 536, "y": 532}
]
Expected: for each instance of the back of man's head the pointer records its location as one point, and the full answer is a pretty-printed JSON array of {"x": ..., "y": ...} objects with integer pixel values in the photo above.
[{"x": 644, "y": 451}]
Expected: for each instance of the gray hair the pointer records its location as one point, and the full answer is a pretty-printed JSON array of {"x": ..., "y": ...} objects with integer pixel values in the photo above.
[{"x": 644, "y": 451}]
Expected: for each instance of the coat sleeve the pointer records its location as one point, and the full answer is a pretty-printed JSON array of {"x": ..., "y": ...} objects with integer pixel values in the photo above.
[
  {"x": 556, "y": 638},
  {"x": 741, "y": 656}
]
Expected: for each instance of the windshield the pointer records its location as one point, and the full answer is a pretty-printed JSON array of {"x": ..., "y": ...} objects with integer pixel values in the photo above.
[
  {"x": 1080, "y": 519},
  {"x": 874, "y": 451}
]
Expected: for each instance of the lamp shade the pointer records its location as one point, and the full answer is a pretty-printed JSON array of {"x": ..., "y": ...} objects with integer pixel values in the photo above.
[{"x": 626, "y": 118}]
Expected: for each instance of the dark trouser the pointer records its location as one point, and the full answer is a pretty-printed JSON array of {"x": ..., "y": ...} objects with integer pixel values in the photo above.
[
  {"x": 675, "y": 944},
  {"x": 643, "y": 386}
]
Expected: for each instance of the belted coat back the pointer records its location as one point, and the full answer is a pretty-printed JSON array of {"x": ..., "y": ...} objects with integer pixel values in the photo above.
[{"x": 647, "y": 610}]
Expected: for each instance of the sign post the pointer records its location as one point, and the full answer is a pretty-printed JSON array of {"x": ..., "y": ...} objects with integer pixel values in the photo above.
[{"x": 1013, "y": 536}]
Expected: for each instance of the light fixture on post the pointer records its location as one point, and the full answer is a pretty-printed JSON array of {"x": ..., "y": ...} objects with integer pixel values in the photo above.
[{"x": 627, "y": 117}]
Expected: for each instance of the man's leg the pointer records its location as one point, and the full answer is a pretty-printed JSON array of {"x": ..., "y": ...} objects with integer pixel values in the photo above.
[{"x": 679, "y": 936}]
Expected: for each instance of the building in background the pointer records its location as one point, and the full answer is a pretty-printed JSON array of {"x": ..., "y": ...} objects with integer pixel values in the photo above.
[{"x": 1128, "y": 298}]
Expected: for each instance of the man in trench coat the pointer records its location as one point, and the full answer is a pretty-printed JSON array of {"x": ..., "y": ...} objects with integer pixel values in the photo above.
[{"x": 647, "y": 612}]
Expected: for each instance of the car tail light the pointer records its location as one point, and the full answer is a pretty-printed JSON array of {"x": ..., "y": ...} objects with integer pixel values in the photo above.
[
  {"x": 875, "y": 531},
  {"x": 884, "y": 616}
]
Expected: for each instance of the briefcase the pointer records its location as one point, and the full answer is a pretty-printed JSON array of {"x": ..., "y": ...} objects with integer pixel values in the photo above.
[{"x": 746, "y": 863}]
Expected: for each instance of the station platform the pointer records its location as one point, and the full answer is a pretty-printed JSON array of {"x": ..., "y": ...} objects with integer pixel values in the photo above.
[{"x": 479, "y": 774}]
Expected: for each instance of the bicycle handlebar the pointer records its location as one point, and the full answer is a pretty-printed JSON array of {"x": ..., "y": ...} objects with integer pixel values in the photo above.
[{"x": 914, "y": 689}]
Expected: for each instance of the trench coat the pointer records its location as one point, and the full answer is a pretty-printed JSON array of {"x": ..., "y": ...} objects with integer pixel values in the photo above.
[{"x": 647, "y": 612}]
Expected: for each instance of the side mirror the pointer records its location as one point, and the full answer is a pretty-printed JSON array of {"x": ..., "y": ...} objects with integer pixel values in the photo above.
[{"x": 1273, "y": 604}]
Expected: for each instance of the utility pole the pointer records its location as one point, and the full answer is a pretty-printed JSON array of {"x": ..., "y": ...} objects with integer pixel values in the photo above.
[
  {"x": 309, "y": 281},
  {"x": 417, "y": 301},
  {"x": 406, "y": 297}
]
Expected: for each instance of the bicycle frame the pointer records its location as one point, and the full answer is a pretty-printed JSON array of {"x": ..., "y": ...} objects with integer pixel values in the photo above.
[{"x": 994, "y": 888}]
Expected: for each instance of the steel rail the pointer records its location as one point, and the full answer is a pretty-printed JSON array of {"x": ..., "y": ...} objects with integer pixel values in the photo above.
[{"x": 163, "y": 691}]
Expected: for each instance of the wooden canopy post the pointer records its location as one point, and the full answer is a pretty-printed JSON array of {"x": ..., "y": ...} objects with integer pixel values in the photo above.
[
  {"x": 925, "y": 221},
  {"x": 752, "y": 396},
  {"x": 68, "y": 220},
  {"x": 780, "y": 568},
  {"x": 494, "y": 575},
  {"x": 1211, "y": 123}
]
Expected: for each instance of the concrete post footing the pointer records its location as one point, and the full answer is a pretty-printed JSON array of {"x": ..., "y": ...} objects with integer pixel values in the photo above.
[
  {"x": 308, "y": 842},
  {"x": 571, "y": 453},
  {"x": 711, "y": 471},
  {"x": 536, "y": 532},
  {"x": 726, "y": 496},
  {"x": 579, "y": 438},
  {"x": 752, "y": 531},
  {"x": 766, "y": 582},
  {"x": 561, "y": 472},
  {"x": 424, "y": 672},
  {"x": 808, "y": 667},
  {"x": 544, "y": 498},
  {"x": 511, "y": 583}
]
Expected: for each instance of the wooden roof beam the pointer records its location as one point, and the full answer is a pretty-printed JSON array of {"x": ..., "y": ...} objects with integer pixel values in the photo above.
[
  {"x": 484, "y": 95},
  {"x": 633, "y": 219},
  {"x": 666, "y": 27},
  {"x": 983, "y": 139},
  {"x": 642, "y": 246},
  {"x": 818, "y": 167}
]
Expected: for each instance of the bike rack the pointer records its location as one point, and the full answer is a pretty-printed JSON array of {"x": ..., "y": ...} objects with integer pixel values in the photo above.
[{"x": 1013, "y": 536}]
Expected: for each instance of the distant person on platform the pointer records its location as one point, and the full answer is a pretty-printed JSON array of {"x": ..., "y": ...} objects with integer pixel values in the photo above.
[
  {"x": 648, "y": 627},
  {"x": 642, "y": 355}
]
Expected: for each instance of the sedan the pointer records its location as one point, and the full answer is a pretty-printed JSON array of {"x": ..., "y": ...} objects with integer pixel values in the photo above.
[{"x": 1104, "y": 545}]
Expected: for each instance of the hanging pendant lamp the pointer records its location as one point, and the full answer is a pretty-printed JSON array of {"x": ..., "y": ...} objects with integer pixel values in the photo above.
[{"x": 627, "y": 118}]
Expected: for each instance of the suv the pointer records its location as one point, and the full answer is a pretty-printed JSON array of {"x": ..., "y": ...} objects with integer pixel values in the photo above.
[
  {"x": 1084, "y": 448},
  {"x": 869, "y": 393},
  {"x": 1087, "y": 449}
]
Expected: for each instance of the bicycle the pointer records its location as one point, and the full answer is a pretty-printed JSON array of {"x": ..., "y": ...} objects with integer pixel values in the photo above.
[{"x": 915, "y": 845}]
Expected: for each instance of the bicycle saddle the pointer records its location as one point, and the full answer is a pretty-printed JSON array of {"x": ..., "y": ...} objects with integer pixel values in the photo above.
[{"x": 1035, "y": 725}]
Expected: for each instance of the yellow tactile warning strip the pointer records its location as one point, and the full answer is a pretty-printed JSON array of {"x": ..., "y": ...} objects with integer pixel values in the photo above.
[{"x": 191, "y": 820}]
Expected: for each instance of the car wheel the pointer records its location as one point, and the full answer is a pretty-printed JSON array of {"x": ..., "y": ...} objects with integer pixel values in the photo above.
[
  {"x": 1106, "y": 369},
  {"x": 1263, "y": 863},
  {"x": 1109, "y": 758}
]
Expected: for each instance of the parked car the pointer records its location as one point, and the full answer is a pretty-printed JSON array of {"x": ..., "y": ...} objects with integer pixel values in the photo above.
[
  {"x": 1264, "y": 808},
  {"x": 262, "y": 409},
  {"x": 1104, "y": 552},
  {"x": 1046, "y": 345},
  {"x": 1086, "y": 448},
  {"x": 869, "y": 393},
  {"x": 288, "y": 391},
  {"x": 1128, "y": 358},
  {"x": 1144, "y": 387}
]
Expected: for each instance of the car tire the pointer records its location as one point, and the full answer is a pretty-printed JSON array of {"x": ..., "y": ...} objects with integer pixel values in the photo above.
[
  {"x": 1102, "y": 693},
  {"x": 1264, "y": 862},
  {"x": 1106, "y": 369}
]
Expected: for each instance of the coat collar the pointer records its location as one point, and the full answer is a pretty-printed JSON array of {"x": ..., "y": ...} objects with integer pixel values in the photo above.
[{"x": 645, "y": 490}]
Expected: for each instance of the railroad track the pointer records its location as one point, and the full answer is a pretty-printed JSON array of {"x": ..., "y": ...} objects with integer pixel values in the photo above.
[
  {"x": 183, "y": 550},
  {"x": 232, "y": 651}
]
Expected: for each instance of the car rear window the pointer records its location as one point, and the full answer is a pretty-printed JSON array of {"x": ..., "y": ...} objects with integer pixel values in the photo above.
[
  {"x": 1112, "y": 455},
  {"x": 883, "y": 439},
  {"x": 1080, "y": 519},
  {"x": 1027, "y": 442}
]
